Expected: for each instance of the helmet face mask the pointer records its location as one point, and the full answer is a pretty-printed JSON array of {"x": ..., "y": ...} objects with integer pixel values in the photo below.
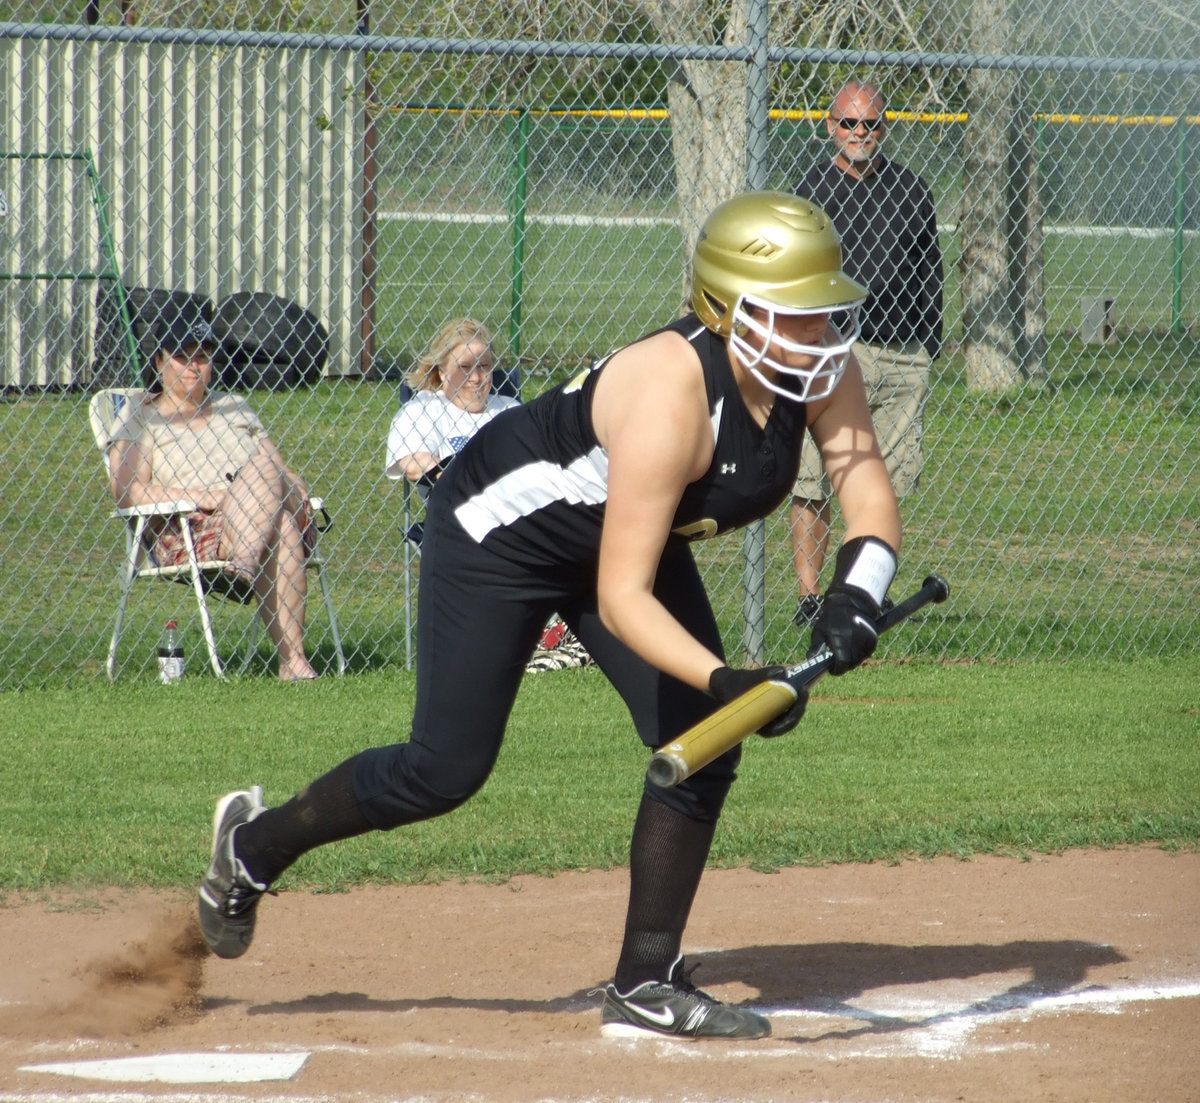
[
  {"x": 802, "y": 384},
  {"x": 780, "y": 255}
]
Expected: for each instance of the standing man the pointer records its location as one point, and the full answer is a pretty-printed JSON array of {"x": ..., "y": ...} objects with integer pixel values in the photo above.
[{"x": 885, "y": 216}]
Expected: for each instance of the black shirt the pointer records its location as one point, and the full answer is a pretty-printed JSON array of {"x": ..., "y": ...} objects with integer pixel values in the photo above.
[
  {"x": 532, "y": 484},
  {"x": 888, "y": 226}
]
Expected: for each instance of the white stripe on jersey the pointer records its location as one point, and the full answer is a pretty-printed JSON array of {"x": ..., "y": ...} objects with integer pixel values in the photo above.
[
  {"x": 716, "y": 419},
  {"x": 536, "y": 485},
  {"x": 533, "y": 487}
]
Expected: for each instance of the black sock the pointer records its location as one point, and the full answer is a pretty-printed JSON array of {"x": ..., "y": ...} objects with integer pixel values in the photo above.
[
  {"x": 666, "y": 861},
  {"x": 323, "y": 812}
]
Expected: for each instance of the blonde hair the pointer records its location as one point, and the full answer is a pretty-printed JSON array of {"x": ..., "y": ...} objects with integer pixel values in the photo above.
[{"x": 427, "y": 374}]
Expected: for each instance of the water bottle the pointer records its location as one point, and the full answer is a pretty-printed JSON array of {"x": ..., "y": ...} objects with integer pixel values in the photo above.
[{"x": 170, "y": 655}]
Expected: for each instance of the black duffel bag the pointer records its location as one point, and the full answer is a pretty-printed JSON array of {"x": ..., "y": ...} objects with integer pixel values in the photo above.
[{"x": 269, "y": 342}]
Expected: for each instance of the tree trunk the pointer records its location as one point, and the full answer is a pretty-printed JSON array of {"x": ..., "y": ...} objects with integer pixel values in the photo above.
[
  {"x": 709, "y": 129},
  {"x": 989, "y": 322},
  {"x": 708, "y": 140},
  {"x": 1026, "y": 246}
]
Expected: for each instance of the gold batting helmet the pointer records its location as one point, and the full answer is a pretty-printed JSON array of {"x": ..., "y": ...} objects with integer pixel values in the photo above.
[{"x": 780, "y": 253}]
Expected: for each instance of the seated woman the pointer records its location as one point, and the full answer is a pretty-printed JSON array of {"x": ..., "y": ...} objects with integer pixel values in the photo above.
[
  {"x": 452, "y": 399},
  {"x": 182, "y": 441}
]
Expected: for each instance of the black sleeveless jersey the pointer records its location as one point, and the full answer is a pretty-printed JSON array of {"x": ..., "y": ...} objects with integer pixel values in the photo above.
[{"x": 532, "y": 484}]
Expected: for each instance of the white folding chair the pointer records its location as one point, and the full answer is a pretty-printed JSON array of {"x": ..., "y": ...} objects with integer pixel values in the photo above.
[{"x": 204, "y": 575}]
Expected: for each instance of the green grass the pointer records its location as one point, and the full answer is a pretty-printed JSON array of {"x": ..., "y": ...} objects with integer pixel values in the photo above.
[
  {"x": 115, "y": 785},
  {"x": 634, "y": 284},
  {"x": 1064, "y": 518}
]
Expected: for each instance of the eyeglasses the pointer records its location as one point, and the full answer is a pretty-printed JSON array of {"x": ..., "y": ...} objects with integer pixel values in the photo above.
[
  {"x": 853, "y": 124},
  {"x": 476, "y": 367}
]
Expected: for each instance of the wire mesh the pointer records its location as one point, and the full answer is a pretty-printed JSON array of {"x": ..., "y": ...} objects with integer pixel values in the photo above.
[{"x": 464, "y": 165}]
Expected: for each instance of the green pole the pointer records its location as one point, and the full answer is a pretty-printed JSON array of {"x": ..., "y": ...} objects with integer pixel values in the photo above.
[
  {"x": 1177, "y": 237},
  {"x": 112, "y": 271},
  {"x": 517, "y": 203},
  {"x": 131, "y": 345}
]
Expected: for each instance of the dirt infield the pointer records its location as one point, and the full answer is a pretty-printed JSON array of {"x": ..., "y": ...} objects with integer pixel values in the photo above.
[{"x": 1070, "y": 978}]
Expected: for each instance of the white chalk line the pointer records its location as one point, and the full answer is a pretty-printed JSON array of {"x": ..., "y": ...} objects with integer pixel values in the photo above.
[
  {"x": 921, "y": 1027},
  {"x": 164, "y": 1097},
  {"x": 585, "y": 220},
  {"x": 633, "y": 221},
  {"x": 1009, "y": 1002},
  {"x": 889, "y": 1026}
]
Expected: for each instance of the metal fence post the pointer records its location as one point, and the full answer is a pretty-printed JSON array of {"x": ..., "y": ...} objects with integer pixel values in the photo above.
[
  {"x": 1181, "y": 127},
  {"x": 758, "y": 114},
  {"x": 370, "y": 201}
]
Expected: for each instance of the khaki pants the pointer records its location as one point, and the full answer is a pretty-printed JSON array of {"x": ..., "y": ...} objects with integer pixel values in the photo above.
[{"x": 897, "y": 381}]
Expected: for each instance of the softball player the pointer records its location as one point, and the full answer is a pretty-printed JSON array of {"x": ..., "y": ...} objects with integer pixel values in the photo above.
[{"x": 585, "y": 501}]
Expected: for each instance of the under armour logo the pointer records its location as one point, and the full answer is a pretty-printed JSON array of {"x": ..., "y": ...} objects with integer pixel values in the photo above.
[{"x": 728, "y": 468}]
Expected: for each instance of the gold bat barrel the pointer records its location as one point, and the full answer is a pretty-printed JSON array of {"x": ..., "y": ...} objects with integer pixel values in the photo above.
[{"x": 724, "y": 729}]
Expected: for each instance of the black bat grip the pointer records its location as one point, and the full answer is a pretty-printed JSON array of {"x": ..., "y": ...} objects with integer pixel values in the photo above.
[{"x": 934, "y": 590}]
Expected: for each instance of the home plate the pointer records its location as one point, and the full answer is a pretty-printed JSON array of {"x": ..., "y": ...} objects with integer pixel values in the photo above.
[{"x": 184, "y": 1068}]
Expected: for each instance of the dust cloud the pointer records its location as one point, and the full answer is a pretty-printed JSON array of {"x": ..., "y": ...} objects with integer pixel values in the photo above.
[{"x": 150, "y": 983}]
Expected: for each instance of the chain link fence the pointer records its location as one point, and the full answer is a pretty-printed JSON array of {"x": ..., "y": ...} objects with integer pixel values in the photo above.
[{"x": 543, "y": 169}]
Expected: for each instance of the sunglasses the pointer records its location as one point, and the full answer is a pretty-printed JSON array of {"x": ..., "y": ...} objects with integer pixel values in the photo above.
[{"x": 853, "y": 124}]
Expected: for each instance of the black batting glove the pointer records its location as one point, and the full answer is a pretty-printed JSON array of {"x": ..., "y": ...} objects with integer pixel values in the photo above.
[
  {"x": 727, "y": 684},
  {"x": 846, "y": 625}
]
